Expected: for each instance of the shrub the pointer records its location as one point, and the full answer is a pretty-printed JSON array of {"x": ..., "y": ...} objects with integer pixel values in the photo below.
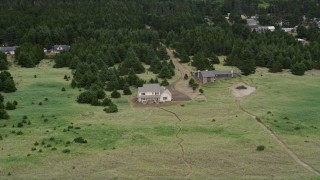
[
  {"x": 15, "y": 103},
  {"x": 1, "y": 138},
  {"x": 201, "y": 91},
  {"x": 3, "y": 114},
  {"x": 260, "y": 148},
  {"x": 186, "y": 77},
  {"x": 111, "y": 109},
  {"x": 66, "y": 151},
  {"x": 54, "y": 149},
  {"x": 106, "y": 102},
  {"x": 10, "y": 106},
  {"x": 36, "y": 143},
  {"x": 40, "y": 103},
  {"x": 40, "y": 151},
  {"x": 33, "y": 149},
  {"x": 24, "y": 117},
  {"x": 164, "y": 83},
  {"x": 80, "y": 140},
  {"x": 63, "y": 89},
  {"x": 35, "y": 76},
  {"x": 19, "y": 133},
  {"x": 20, "y": 125},
  {"x": 115, "y": 94}
]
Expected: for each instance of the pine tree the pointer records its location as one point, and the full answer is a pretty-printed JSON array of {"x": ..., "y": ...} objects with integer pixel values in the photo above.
[
  {"x": 276, "y": 67},
  {"x": 164, "y": 83},
  {"x": 165, "y": 73},
  {"x": 126, "y": 90},
  {"x": 298, "y": 69},
  {"x": 131, "y": 63}
]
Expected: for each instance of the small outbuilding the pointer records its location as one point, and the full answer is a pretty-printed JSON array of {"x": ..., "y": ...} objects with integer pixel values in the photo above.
[{"x": 153, "y": 93}]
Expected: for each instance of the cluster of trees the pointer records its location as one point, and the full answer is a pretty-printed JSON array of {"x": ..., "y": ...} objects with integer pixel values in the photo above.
[
  {"x": 113, "y": 44},
  {"x": 29, "y": 55},
  {"x": 275, "y": 51},
  {"x": 7, "y": 84},
  {"x": 3, "y": 61}
]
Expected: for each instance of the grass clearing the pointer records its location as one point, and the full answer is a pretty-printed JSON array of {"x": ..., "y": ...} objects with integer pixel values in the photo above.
[{"x": 219, "y": 140}]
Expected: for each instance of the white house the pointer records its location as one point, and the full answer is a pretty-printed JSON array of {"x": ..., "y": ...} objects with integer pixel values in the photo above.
[
  {"x": 60, "y": 48},
  {"x": 9, "y": 50},
  {"x": 153, "y": 93}
]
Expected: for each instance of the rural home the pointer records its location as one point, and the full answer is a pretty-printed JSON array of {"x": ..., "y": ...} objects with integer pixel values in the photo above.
[
  {"x": 60, "y": 48},
  {"x": 153, "y": 93},
  {"x": 210, "y": 76},
  {"x": 264, "y": 29},
  {"x": 9, "y": 50},
  {"x": 252, "y": 23}
]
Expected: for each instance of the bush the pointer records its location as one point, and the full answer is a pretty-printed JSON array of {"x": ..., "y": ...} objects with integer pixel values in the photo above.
[
  {"x": 66, "y": 151},
  {"x": 63, "y": 89},
  {"x": 111, "y": 109},
  {"x": 20, "y": 125},
  {"x": 260, "y": 148},
  {"x": 80, "y": 140},
  {"x": 10, "y": 106},
  {"x": 3, "y": 114},
  {"x": 115, "y": 94},
  {"x": 201, "y": 91},
  {"x": 106, "y": 102},
  {"x": 19, "y": 133},
  {"x": 164, "y": 83}
]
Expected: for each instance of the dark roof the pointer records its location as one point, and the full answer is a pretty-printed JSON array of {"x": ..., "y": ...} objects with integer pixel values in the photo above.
[
  {"x": 215, "y": 73},
  {"x": 8, "y": 49},
  {"x": 64, "y": 47}
]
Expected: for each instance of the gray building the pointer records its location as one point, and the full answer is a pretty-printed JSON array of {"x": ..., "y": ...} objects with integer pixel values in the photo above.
[{"x": 210, "y": 76}]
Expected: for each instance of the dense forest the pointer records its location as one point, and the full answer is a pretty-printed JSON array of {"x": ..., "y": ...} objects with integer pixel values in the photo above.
[{"x": 112, "y": 41}]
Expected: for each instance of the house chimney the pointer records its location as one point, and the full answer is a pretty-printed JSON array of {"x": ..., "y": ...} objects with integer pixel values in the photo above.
[
  {"x": 198, "y": 74},
  {"x": 232, "y": 73}
]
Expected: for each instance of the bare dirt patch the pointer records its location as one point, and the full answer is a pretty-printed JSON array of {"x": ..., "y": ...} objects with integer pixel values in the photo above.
[{"x": 241, "y": 90}]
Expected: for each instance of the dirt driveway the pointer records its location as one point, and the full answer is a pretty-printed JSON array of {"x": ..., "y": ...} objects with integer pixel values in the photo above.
[{"x": 180, "y": 88}]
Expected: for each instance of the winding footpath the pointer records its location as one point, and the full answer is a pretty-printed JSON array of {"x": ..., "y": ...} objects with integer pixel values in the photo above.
[
  {"x": 181, "y": 140},
  {"x": 278, "y": 140}
]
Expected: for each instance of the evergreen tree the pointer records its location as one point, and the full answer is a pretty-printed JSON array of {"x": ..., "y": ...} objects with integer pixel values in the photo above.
[
  {"x": 165, "y": 73},
  {"x": 201, "y": 62},
  {"x": 131, "y": 63},
  {"x": 184, "y": 58},
  {"x": 164, "y": 83},
  {"x": 276, "y": 67},
  {"x": 126, "y": 90},
  {"x": 298, "y": 69},
  {"x": 115, "y": 94},
  {"x": 162, "y": 53}
]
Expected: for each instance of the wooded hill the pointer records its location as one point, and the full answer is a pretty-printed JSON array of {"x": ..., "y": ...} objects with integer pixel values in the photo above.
[{"x": 107, "y": 33}]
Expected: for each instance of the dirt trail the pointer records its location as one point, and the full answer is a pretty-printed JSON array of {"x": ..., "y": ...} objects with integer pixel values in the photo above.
[
  {"x": 180, "y": 142},
  {"x": 278, "y": 140},
  {"x": 181, "y": 86}
]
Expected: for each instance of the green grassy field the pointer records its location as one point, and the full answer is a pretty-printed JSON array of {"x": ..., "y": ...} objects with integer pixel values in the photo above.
[{"x": 219, "y": 140}]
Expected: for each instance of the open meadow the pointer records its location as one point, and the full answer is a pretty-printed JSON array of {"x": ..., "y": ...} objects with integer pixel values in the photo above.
[{"x": 206, "y": 140}]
